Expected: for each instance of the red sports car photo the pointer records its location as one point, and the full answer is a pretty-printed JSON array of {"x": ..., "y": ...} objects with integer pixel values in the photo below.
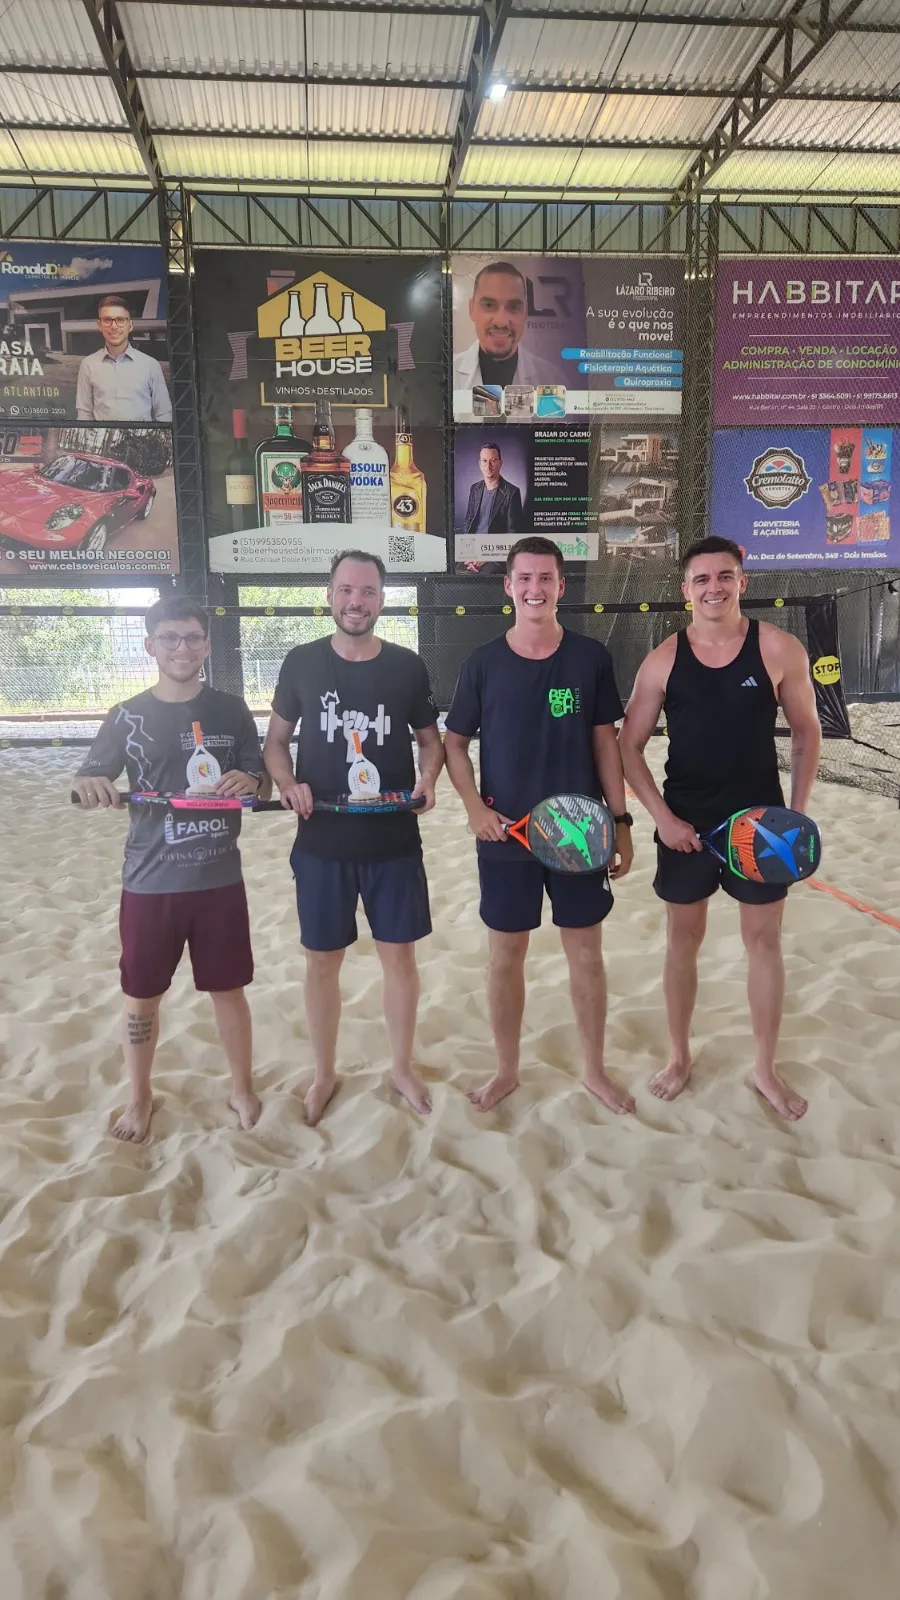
[{"x": 75, "y": 502}]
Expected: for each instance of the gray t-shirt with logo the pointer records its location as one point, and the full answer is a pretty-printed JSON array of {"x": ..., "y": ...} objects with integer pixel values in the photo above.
[{"x": 154, "y": 741}]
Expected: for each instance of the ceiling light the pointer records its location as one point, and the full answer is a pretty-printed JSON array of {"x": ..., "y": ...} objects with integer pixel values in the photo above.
[{"x": 497, "y": 92}]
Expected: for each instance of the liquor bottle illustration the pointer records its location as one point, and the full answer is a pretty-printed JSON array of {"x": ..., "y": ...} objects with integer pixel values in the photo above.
[
  {"x": 240, "y": 483},
  {"x": 278, "y": 483},
  {"x": 370, "y": 475},
  {"x": 293, "y": 325},
  {"x": 407, "y": 481},
  {"x": 324, "y": 474},
  {"x": 348, "y": 322},
  {"x": 321, "y": 320}
]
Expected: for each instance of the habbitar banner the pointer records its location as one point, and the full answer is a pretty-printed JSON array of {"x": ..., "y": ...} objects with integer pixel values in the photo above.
[
  {"x": 322, "y": 397},
  {"x": 83, "y": 334}
]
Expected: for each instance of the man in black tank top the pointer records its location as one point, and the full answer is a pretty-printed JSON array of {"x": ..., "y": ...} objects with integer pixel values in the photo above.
[{"x": 719, "y": 683}]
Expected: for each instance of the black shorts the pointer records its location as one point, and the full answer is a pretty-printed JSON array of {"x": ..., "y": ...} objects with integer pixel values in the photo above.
[
  {"x": 394, "y": 894},
  {"x": 512, "y": 895},
  {"x": 685, "y": 876}
]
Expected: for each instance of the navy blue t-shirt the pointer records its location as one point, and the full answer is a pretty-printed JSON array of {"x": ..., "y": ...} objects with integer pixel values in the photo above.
[{"x": 535, "y": 721}]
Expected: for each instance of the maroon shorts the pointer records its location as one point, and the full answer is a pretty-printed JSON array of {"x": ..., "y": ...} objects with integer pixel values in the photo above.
[{"x": 154, "y": 929}]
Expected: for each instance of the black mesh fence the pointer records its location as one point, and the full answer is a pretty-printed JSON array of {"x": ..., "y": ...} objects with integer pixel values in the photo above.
[{"x": 63, "y": 665}]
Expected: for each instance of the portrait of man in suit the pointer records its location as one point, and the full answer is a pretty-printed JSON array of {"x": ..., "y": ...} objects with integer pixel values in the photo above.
[{"x": 495, "y": 504}]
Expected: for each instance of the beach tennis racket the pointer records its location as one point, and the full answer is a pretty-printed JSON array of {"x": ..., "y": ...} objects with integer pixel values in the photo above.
[
  {"x": 567, "y": 833},
  {"x": 348, "y": 804},
  {"x": 767, "y": 844}
]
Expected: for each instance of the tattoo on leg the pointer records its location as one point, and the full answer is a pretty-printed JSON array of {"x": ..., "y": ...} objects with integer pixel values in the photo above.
[{"x": 140, "y": 1027}]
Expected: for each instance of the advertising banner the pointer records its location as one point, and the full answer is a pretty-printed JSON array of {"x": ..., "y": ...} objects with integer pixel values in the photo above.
[
  {"x": 322, "y": 396},
  {"x": 83, "y": 333},
  {"x": 814, "y": 341},
  {"x": 536, "y": 340},
  {"x": 595, "y": 488},
  {"x": 84, "y": 502},
  {"x": 810, "y": 497}
]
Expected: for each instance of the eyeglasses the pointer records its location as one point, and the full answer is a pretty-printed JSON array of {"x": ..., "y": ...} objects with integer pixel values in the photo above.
[
  {"x": 113, "y": 322},
  {"x": 172, "y": 641}
]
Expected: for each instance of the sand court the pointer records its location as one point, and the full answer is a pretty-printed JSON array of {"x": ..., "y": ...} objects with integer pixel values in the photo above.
[{"x": 545, "y": 1353}]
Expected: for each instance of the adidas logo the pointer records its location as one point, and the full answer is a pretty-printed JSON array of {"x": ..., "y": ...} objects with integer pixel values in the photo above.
[{"x": 749, "y": 683}]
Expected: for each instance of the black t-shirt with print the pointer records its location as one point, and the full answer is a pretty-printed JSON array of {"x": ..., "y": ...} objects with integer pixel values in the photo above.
[
  {"x": 535, "y": 721},
  {"x": 152, "y": 740},
  {"x": 380, "y": 700}
]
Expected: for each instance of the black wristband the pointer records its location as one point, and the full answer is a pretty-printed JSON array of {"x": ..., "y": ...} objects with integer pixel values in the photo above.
[{"x": 626, "y": 818}]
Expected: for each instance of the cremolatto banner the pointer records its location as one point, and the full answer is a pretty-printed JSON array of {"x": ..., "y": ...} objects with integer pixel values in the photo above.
[
  {"x": 83, "y": 501},
  {"x": 810, "y": 341},
  {"x": 597, "y": 488},
  {"x": 539, "y": 339},
  {"x": 83, "y": 334},
  {"x": 322, "y": 396},
  {"x": 807, "y": 497}
]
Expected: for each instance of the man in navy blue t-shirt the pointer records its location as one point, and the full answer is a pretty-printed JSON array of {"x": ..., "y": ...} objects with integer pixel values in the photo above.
[{"x": 544, "y": 704}]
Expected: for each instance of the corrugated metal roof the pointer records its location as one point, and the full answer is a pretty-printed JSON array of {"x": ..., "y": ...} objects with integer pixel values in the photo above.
[
  {"x": 83, "y": 155},
  {"x": 487, "y": 167},
  {"x": 839, "y": 123},
  {"x": 794, "y": 174},
  {"x": 855, "y": 61},
  {"x": 210, "y": 106},
  {"x": 49, "y": 33},
  {"x": 656, "y": 117},
  {"x": 78, "y": 102},
  {"x": 745, "y": 10},
  {"x": 630, "y": 169},
  {"x": 578, "y": 53},
  {"x": 533, "y": 117},
  {"x": 294, "y": 161},
  {"x": 189, "y": 38}
]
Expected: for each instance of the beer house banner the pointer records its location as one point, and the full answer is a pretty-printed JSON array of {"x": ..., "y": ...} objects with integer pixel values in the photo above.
[
  {"x": 599, "y": 488},
  {"x": 83, "y": 334},
  {"x": 807, "y": 497},
  {"x": 86, "y": 501},
  {"x": 809, "y": 342},
  {"x": 322, "y": 398},
  {"x": 540, "y": 340}
]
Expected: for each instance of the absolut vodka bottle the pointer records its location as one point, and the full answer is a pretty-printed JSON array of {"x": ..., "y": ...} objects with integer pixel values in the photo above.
[{"x": 370, "y": 475}]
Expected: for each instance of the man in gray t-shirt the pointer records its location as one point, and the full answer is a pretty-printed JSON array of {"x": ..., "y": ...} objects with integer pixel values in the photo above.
[{"x": 181, "y": 882}]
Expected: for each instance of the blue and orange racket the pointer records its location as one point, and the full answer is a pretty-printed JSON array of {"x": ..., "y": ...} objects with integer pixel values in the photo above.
[{"x": 767, "y": 844}]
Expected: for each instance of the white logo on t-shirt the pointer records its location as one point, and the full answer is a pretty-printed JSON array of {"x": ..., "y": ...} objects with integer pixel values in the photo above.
[{"x": 351, "y": 722}]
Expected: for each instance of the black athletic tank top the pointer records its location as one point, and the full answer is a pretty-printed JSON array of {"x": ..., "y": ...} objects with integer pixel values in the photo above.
[{"x": 721, "y": 723}]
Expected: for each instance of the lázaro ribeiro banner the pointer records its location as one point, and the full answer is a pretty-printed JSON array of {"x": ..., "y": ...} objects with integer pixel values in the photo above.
[
  {"x": 598, "y": 488},
  {"x": 806, "y": 341},
  {"x": 84, "y": 500},
  {"x": 322, "y": 399},
  {"x": 539, "y": 339},
  {"x": 810, "y": 497},
  {"x": 83, "y": 334}
]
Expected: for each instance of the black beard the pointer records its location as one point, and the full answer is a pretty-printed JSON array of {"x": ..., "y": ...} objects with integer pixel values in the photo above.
[{"x": 354, "y": 633}]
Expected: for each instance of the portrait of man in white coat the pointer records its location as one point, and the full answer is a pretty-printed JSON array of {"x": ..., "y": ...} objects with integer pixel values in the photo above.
[{"x": 498, "y": 310}]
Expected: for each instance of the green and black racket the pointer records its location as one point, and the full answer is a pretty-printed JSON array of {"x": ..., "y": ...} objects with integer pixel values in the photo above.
[{"x": 568, "y": 833}]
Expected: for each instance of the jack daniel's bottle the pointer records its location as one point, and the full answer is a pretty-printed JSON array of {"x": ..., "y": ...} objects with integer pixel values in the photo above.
[{"x": 325, "y": 474}]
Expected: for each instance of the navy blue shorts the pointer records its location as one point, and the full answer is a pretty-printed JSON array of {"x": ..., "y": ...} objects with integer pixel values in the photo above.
[
  {"x": 685, "y": 876},
  {"x": 512, "y": 895},
  {"x": 394, "y": 896}
]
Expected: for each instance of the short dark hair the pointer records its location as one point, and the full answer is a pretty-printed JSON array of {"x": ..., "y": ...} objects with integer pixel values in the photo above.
[
  {"x": 175, "y": 608},
  {"x": 500, "y": 266},
  {"x": 492, "y": 446},
  {"x": 712, "y": 545},
  {"x": 357, "y": 555},
  {"x": 534, "y": 544},
  {"x": 113, "y": 300}
]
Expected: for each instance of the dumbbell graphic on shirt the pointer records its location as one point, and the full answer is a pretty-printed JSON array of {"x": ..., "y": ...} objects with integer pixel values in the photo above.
[{"x": 363, "y": 776}]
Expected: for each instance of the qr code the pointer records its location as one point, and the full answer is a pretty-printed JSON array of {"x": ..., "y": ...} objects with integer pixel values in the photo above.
[{"x": 401, "y": 548}]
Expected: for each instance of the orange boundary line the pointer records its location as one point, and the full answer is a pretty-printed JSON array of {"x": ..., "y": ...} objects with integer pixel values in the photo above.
[{"x": 857, "y": 905}]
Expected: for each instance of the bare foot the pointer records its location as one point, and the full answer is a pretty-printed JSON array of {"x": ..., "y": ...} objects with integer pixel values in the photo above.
[
  {"x": 779, "y": 1095},
  {"x": 612, "y": 1096},
  {"x": 412, "y": 1089},
  {"x": 316, "y": 1099},
  {"x": 134, "y": 1122},
  {"x": 248, "y": 1108},
  {"x": 670, "y": 1082},
  {"x": 489, "y": 1094}
]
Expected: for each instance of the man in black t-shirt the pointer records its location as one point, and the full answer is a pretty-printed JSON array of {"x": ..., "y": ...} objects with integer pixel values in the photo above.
[
  {"x": 182, "y": 881},
  {"x": 356, "y": 698},
  {"x": 544, "y": 704}
]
